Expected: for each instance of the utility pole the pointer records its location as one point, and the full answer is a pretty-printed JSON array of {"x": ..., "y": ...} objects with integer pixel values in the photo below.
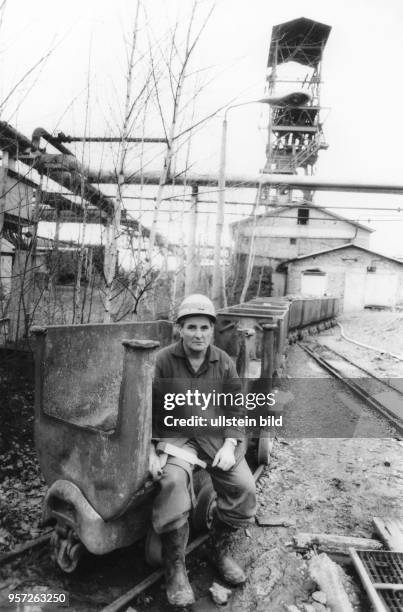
[
  {"x": 217, "y": 274},
  {"x": 191, "y": 264}
]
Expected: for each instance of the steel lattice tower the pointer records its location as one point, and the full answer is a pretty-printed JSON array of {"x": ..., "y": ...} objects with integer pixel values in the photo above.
[{"x": 295, "y": 135}]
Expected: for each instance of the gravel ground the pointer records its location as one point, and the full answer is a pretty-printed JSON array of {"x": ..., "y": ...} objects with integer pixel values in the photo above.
[{"x": 333, "y": 486}]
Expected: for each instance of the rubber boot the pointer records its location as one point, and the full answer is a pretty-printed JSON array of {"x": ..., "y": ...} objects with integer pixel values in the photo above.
[
  {"x": 178, "y": 589},
  {"x": 220, "y": 536}
]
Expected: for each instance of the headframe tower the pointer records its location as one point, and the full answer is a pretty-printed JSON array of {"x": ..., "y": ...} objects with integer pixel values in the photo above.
[{"x": 295, "y": 135}]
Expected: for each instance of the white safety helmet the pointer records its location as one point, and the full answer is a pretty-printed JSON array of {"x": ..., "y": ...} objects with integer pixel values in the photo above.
[{"x": 196, "y": 304}]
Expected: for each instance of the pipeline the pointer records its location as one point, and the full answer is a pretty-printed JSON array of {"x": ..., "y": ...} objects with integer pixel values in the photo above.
[
  {"x": 206, "y": 180},
  {"x": 367, "y": 346}
]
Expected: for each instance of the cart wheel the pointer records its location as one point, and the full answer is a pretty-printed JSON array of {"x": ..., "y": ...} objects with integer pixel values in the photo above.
[
  {"x": 264, "y": 448},
  {"x": 67, "y": 550},
  {"x": 153, "y": 548},
  {"x": 204, "y": 509}
]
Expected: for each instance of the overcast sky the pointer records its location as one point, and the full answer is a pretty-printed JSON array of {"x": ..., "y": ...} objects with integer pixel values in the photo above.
[{"x": 362, "y": 88}]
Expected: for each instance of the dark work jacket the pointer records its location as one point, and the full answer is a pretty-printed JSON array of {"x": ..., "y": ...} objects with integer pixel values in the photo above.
[{"x": 217, "y": 372}]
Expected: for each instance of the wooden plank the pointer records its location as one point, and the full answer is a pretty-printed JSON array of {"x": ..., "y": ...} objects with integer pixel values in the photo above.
[
  {"x": 336, "y": 543},
  {"x": 365, "y": 579},
  {"x": 391, "y": 532}
]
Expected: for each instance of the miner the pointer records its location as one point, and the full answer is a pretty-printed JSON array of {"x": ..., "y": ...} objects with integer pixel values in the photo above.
[{"x": 194, "y": 360}]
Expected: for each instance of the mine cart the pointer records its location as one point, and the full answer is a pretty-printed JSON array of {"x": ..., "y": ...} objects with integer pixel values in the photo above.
[
  {"x": 93, "y": 430},
  {"x": 256, "y": 334},
  {"x": 235, "y": 333}
]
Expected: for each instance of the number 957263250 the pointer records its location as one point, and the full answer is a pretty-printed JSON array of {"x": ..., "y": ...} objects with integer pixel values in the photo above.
[{"x": 37, "y": 597}]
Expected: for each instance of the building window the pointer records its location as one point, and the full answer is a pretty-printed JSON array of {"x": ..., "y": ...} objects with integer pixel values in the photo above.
[
  {"x": 303, "y": 216},
  {"x": 372, "y": 266},
  {"x": 293, "y": 241},
  {"x": 314, "y": 282},
  {"x": 314, "y": 272}
]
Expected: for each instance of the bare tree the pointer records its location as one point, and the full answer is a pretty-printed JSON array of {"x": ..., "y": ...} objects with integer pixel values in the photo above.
[
  {"x": 176, "y": 81},
  {"x": 77, "y": 310},
  {"x": 113, "y": 228}
]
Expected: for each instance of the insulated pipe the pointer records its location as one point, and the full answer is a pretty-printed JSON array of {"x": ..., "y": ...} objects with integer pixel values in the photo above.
[
  {"x": 61, "y": 137},
  {"x": 368, "y": 346},
  {"x": 69, "y": 162},
  {"x": 40, "y": 132},
  {"x": 291, "y": 181},
  {"x": 66, "y": 170}
]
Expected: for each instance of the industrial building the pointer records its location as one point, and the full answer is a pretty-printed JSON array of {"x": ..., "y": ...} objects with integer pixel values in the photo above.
[
  {"x": 360, "y": 277},
  {"x": 285, "y": 232}
]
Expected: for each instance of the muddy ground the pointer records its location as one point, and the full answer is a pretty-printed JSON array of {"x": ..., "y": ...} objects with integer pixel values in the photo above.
[{"x": 326, "y": 484}]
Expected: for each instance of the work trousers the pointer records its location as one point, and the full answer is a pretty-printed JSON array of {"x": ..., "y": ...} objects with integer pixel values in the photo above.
[{"x": 236, "y": 494}]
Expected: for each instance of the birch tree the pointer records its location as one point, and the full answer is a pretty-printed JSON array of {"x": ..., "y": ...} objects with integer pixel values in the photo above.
[
  {"x": 177, "y": 68},
  {"x": 113, "y": 227}
]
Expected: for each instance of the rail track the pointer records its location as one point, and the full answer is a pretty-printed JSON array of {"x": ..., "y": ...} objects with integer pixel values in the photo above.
[{"x": 378, "y": 393}]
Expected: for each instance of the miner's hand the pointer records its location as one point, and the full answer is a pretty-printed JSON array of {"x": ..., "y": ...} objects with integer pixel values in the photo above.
[
  {"x": 156, "y": 463},
  {"x": 224, "y": 457}
]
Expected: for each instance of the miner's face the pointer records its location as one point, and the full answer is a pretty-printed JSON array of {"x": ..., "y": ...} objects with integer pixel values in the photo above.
[{"x": 196, "y": 333}]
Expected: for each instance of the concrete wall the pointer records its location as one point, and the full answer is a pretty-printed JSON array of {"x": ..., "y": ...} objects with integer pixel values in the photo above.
[{"x": 348, "y": 277}]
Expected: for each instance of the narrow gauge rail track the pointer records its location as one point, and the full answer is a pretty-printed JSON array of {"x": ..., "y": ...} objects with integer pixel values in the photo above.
[
  {"x": 136, "y": 590},
  {"x": 384, "y": 381},
  {"x": 373, "y": 390},
  {"x": 41, "y": 540}
]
